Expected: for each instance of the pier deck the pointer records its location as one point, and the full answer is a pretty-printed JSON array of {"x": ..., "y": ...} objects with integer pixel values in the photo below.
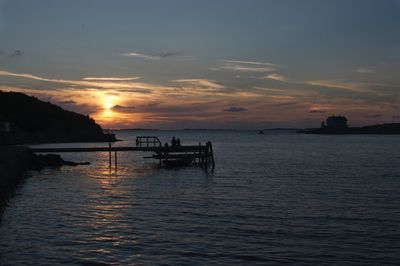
[
  {"x": 201, "y": 154},
  {"x": 107, "y": 149}
]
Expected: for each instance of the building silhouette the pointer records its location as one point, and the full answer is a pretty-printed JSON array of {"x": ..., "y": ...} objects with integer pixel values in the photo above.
[{"x": 335, "y": 122}]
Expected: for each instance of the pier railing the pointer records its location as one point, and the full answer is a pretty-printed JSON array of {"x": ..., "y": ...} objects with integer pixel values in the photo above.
[
  {"x": 202, "y": 155},
  {"x": 148, "y": 141}
]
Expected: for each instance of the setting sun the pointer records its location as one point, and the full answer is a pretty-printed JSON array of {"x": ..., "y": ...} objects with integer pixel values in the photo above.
[{"x": 109, "y": 101}]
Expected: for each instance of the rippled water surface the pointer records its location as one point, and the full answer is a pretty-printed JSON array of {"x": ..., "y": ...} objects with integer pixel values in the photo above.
[{"x": 273, "y": 199}]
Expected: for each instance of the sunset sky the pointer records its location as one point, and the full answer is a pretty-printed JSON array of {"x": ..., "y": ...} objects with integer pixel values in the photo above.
[{"x": 173, "y": 64}]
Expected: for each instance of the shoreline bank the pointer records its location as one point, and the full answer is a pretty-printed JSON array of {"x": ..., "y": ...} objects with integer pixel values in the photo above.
[{"x": 15, "y": 161}]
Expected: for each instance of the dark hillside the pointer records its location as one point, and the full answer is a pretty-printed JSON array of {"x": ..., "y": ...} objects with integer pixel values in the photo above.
[{"x": 35, "y": 121}]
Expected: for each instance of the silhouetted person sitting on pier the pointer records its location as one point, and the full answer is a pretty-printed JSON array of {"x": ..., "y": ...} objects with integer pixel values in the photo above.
[
  {"x": 173, "y": 142},
  {"x": 178, "y": 142}
]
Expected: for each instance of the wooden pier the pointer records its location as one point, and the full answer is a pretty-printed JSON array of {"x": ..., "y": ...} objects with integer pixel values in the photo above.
[{"x": 201, "y": 155}]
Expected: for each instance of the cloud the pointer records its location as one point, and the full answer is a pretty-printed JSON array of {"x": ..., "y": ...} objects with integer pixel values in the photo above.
[
  {"x": 247, "y": 66},
  {"x": 122, "y": 108},
  {"x": 235, "y": 109},
  {"x": 16, "y": 53},
  {"x": 365, "y": 70},
  {"x": 140, "y": 55},
  {"x": 67, "y": 102},
  {"x": 182, "y": 88},
  {"x": 249, "y": 62},
  {"x": 111, "y": 78},
  {"x": 317, "y": 111},
  {"x": 275, "y": 90},
  {"x": 139, "y": 87},
  {"x": 149, "y": 56},
  {"x": 168, "y": 54},
  {"x": 278, "y": 77},
  {"x": 336, "y": 83},
  {"x": 207, "y": 83},
  {"x": 374, "y": 116}
]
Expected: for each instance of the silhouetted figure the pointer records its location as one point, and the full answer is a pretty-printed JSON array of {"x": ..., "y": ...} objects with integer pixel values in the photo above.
[
  {"x": 178, "y": 142},
  {"x": 173, "y": 142},
  {"x": 166, "y": 145}
]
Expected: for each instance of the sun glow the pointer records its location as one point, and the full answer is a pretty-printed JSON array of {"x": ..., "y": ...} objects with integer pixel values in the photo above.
[
  {"x": 109, "y": 101},
  {"x": 111, "y": 112},
  {"x": 106, "y": 115}
]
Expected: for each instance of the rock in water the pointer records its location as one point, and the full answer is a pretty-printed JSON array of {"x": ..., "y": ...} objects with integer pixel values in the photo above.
[{"x": 51, "y": 160}]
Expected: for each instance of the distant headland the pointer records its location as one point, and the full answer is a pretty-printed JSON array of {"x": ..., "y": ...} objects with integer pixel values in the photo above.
[
  {"x": 336, "y": 125},
  {"x": 25, "y": 119}
]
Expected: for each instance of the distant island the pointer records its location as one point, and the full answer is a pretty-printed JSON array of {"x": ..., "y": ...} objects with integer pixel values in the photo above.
[
  {"x": 338, "y": 125},
  {"x": 26, "y": 119},
  {"x": 282, "y": 129},
  {"x": 135, "y": 129}
]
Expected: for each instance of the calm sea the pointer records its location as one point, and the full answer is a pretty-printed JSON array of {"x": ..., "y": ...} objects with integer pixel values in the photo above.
[{"x": 273, "y": 199}]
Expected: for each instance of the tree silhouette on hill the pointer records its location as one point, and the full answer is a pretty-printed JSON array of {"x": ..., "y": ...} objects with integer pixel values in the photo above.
[{"x": 34, "y": 119}]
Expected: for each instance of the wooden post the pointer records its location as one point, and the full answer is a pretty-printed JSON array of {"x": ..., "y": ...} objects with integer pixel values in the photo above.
[
  {"x": 109, "y": 153},
  {"x": 208, "y": 154},
  {"x": 212, "y": 156},
  {"x": 204, "y": 157},
  {"x": 115, "y": 160},
  {"x": 200, "y": 158}
]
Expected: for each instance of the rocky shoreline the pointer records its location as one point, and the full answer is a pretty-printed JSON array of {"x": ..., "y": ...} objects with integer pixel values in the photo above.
[{"x": 16, "y": 161}]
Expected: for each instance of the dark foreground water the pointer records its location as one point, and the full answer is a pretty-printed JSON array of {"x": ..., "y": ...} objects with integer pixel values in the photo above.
[{"x": 274, "y": 199}]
